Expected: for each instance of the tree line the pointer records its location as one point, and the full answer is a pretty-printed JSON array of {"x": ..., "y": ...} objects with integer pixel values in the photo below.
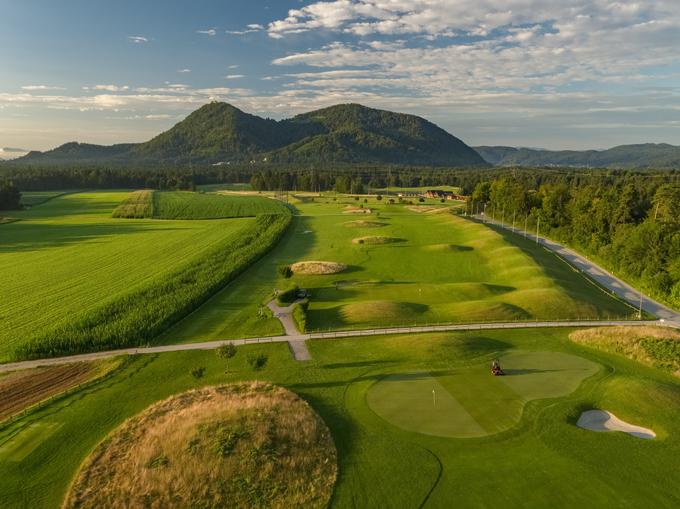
[
  {"x": 10, "y": 196},
  {"x": 630, "y": 224}
]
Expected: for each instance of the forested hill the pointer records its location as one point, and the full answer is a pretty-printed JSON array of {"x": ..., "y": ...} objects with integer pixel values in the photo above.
[
  {"x": 648, "y": 155},
  {"x": 219, "y": 133}
]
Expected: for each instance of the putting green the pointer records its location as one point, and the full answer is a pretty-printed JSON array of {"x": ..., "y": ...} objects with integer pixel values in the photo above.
[{"x": 470, "y": 402}]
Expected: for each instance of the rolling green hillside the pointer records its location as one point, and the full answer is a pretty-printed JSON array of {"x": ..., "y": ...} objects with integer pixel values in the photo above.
[{"x": 647, "y": 155}]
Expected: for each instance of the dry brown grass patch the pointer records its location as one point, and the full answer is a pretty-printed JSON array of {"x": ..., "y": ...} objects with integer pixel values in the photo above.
[
  {"x": 631, "y": 341},
  {"x": 351, "y": 209},
  {"x": 240, "y": 445},
  {"x": 317, "y": 268},
  {"x": 372, "y": 240}
]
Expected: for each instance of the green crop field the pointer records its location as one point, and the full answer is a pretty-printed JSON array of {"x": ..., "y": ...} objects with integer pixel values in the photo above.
[
  {"x": 187, "y": 205},
  {"x": 74, "y": 278},
  {"x": 443, "y": 269},
  {"x": 529, "y": 454}
]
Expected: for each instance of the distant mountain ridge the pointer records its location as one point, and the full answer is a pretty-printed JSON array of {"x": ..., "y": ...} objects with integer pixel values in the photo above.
[
  {"x": 646, "y": 155},
  {"x": 221, "y": 133}
]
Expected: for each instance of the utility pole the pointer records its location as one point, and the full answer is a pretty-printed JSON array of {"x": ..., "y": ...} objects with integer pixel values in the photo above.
[
  {"x": 640, "y": 310},
  {"x": 538, "y": 223},
  {"x": 503, "y": 216},
  {"x": 513, "y": 220},
  {"x": 526, "y": 225}
]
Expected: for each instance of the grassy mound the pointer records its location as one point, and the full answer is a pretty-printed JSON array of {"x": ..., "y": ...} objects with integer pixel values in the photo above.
[
  {"x": 375, "y": 240},
  {"x": 241, "y": 445},
  {"x": 350, "y": 209},
  {"x": 364, "y": 224},
  {"x": 448, "y": 247},
  {"x": 372, "y": 311},
  {"x": 317, "y": 268},
  {"x": 654, "y": 346}
]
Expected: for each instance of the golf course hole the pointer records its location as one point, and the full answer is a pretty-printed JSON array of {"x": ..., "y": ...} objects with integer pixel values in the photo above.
[
  {"x": 375, "y": 240},
  {"x": 240, "y": 445},
  {"x": 470, "y": 402},
  {"x": 601, "y": 420},
  {"x": 317, "y": 268},
  {"x": 364, "y": 224}
]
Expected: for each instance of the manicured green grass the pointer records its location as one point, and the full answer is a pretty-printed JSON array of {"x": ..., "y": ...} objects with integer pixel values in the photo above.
[
  {"x": 68, "y": 258},
  {"x": 543, "y": 459},
  {"x": 468, "y": 401},
  {"x": 188, "y": 205},
  {"x": 447, "y": 269},
  {"x": 33, "y": 198}
]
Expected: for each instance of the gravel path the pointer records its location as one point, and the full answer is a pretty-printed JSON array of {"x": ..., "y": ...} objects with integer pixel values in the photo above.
[{"x": 285, "y": 315}]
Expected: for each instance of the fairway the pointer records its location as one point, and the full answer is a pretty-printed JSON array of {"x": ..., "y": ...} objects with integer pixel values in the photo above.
[
  {"x": 443, "y": 269},
  {"x": 470, "y": 402},
  {"x": 68, "y": 256}
]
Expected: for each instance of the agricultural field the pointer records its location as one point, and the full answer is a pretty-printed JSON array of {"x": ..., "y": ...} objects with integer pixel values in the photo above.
[
  {"x": 417, "y": 420},
  {"x": 405, "y": 264},
  {"x": 73, "y": 275},
  {"x": 188, "y": 205}
]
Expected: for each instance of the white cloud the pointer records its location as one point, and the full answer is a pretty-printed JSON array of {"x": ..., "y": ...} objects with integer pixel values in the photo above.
[
  {"x": 40, "y": 87},
  {"x": 137, "y": 39},
  {"x": 234, "y": 76},
  {"x": 233, "y": 66},
  {"x": 210, "y": 31},
  {"x": 253, "y": 27},
  {"x": 184, "y": 71},
  {"x": 108, "y": 88}
]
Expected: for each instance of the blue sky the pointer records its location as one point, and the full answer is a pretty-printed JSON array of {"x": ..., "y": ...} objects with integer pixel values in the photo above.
[{"x": 569, "y": 74}]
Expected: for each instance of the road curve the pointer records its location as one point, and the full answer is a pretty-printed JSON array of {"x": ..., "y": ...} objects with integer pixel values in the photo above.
[
  {"x": 210, "y": 345},
  {"x": 598, "y": 274}
]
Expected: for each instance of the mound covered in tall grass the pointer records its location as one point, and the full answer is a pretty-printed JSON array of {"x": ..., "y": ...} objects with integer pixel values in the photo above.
[
  {"x": 137, "y": 205},
  {"x": 364, "y": 224},
  {"x": 376, "y": 240},
  {"x": 188, "y": 205},
  {"x": 653, "y": 346},
  {"x": 242, "y": 445},
  {"x": 314, "y": 268},
  {"x": 137, "y": 317}
]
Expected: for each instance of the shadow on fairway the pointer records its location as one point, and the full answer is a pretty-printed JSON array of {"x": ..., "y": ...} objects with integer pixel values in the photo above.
[
  {"x": 357, "y": 364},
  {"x": 528, "y": 371}
]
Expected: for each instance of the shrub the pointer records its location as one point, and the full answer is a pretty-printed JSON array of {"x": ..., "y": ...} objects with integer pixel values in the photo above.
[
  {"x": 257, "y": 362},
  {"x": 198, "y": 372},
  {"x": 285, "y": 271},
  {"x": 226, "y": 351},
  {"x": 379, "y": 197},
  {"x": 300, "y": 315},
  {"x": 288, "y": 296}
]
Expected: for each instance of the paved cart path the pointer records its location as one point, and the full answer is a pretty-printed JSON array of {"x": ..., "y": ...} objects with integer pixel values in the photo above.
[
  {"x": 285, "y": 315},
  {"x": 210, "y": 345}
]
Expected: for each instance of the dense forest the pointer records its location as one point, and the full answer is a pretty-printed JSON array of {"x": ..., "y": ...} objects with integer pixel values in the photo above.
[
  {"x": 10, "y": 196},
  {"x": 630, "y": 224}
]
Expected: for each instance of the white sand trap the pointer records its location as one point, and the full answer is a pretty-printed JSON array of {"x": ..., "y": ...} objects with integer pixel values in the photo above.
[{"x": 601, "y": 420}]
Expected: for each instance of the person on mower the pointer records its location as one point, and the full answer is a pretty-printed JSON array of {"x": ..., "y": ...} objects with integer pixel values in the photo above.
[{"x": 496, "y": 368}]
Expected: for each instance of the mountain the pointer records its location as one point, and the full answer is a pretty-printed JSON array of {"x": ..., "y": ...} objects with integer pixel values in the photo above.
[
  {"x": 648, "y": 155},
  {"x": 219, "y": 133}
]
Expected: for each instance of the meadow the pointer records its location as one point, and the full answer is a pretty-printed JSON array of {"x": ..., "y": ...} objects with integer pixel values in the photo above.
[
  {"x": 73, "y": 276},
  {"x": 436, "y": 267},
  {"x": 536, "y": 457}
]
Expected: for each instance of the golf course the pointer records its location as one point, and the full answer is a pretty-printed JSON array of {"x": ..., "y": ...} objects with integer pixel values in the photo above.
[{"x": 395, "y": 420}]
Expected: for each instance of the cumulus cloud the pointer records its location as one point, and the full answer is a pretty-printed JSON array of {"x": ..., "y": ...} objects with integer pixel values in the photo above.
[
  {"x": 249, "y": 29},
  {"x": 184, "y": 71},
  {"x": 108, "y": 88}
]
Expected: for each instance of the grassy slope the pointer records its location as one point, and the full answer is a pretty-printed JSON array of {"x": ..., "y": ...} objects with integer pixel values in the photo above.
[
  {"x": 544, "y": 460},
  {"x": 448, "y": 270},
  {"x": 68, "y": 256}
]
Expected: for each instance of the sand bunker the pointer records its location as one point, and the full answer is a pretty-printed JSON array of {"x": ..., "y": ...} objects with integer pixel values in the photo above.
[
  {"x": 601, "y": 420},
  {"x": 364, "y": 224},
  {"x": 376, "y": 240},
  {"x": 317, "y": 268}
]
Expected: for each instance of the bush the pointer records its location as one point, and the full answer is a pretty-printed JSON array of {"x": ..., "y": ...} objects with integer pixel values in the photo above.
[
  {"x": 226, "y": 351},
  {"x": 379, "y": 197},
  {"x": 288, "y": 296},
  {"x": 285, "y": 271},
  {"x": 300, "y": 315},
  {"x": 257, "y": 362},
  {"x": 198, "y": 372}
]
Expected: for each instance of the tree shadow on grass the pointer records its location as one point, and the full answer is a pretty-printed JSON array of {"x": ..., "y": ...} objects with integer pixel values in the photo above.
[
  {"x": 529, "y": 371},
  {"x": 32, "y": 237}
]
